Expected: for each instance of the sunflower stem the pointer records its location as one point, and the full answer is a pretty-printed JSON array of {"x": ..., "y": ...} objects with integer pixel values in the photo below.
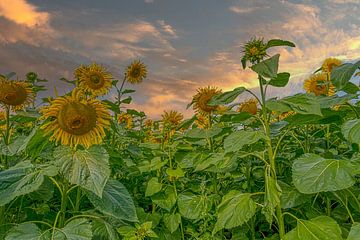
[
  {"x": 279, "y": 215},
  {"x": 64, "y": 199},
  {"x": 78, "y": 198}
]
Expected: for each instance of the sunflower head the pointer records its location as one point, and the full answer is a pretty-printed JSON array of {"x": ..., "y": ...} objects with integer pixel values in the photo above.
[
  {"x": 171, "y": 118},
  {"x": 202, "y": 98},
  {"x": 93, "y": 79},
  {"x": 135, "y": 72},
  {"x": 2, "y": 116},
  {"x": 16, "y": 94},
  {"x": 281, "y": 116},
  {"x": 202, "y": 121},
  {"x": 249, "y": 106},
  {"x": 73, "y": 120},
  {"x": 255, "y": 50},
  {"x": 149, "y": 123},
  {"x": 127, "y": 119},
  {"x": 319, "y": 85},
  {"x": 330, "y": 63}
]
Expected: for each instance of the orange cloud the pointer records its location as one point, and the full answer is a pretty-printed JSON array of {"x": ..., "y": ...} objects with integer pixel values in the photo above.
[{"x": 23, "y": 13}]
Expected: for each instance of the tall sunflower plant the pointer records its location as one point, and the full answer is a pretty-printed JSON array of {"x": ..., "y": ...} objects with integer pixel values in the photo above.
[{"x": 294, "y": 152}]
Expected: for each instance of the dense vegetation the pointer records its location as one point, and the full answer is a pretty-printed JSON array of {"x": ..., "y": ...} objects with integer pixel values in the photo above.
[{"x": 83, "y": 167}]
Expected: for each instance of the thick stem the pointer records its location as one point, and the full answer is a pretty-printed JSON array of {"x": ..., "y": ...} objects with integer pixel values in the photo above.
[
  {"x": 279, "y": 215},
  {"x": 78, "y": 198},
  {"x": 64, "y": 199}
]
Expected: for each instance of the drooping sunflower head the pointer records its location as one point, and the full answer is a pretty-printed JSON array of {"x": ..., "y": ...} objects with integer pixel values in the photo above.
[
  {"x": 93, "y": 79},
  {"x": 249, "y": 106},
  {"x": 127, "y": 119},
  {"x": 73, "y": 120},
  {"x": 171, "y": 118},
  {"x": 16, "y": 94},
  {"x": 202, "y": 98},
  {"x": 136, "y": 72},
  {"x": 255, "y": 50},
  {"x": 319, "y": 85},
  {"x": 330, "y": 63}
]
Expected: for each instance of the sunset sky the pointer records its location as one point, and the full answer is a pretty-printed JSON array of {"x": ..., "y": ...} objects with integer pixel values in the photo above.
[{"x": 186, "y": 44}]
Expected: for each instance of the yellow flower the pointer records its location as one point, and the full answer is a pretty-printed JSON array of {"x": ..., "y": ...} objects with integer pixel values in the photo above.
[
  {"x": 16, "y": 94},
  {"x": 126, "y": 118},
  {"x": 136, "y": 72},
  {"x": 249, "y": 106},
  {"x": 255, "y": 50},
  {"x": 281, "y": 116},
  {"x": 319, "y": 85},
  {"x": 94, "y": 79},
  {"x": 2, "y": 116},
  {"x": 202, "y": 121},
  {"x": 171, "y": 118},
  {"x": 202, "y": 98},
  {"x": 330, "y": 63},
  {"x": 148, "y": 123},
  {"x": 75, "y": 121}
]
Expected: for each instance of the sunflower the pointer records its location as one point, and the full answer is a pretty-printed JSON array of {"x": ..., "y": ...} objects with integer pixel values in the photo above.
[
  {"x": 319, "y": 85},
  {"x": 126, "y": 118},
  {"x": 202, "y": 121},
  {"x": 330, "y": 63},
  {"x": 149, "y": 123},
  {"x": 281, "y": 116},
  {"x": 16, "y": 94},
  {"x": 74, "y": 121},
  {"x": 136, "y": 72},
  {"x": 171, "y": 118},
  {"x": 202, "y": 98},
  {"x": 249, "y": 106},
  {"x": 94, "y": 79},
  {"x": 255, "y": 50}
]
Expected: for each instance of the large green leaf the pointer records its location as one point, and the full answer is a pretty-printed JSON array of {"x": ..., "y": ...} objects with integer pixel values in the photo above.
[
  {"x": 267, "y": 68},
  {"x": 22, "y": 179},
  {"x": 313, "y": 174},
  {"x": 28, "y": 231},
  {"x": 279, "y": 42},
  {"x": 153, "y": 187},
  {"x": 272, "y": 196},
  {"x": 192, "y": 206},
  {"x": 77, "y": 229},
  {"x": 235, "y": 209},
  {"x": 300, "y": 103},
  {"x": 226, "y": 97},
  {"x": 354, "y": 232},
  {"x": 103, "y": 230},
  {"x": 203, "y": 133},
  {"x": 235, "y": 141},
  {"x": 87, "y": 168},
  {"x": 351, "y": 131},
  {"x": 172, "y": 221},
  {"x": 291, "y": 197},
  {"x": 280, "y": 80},
  {"x": 341, "y": 75},
  {"x": 115, "y": 201},
  {"x": 165, "y": 199},
  {"x": 319, "y": 228}
]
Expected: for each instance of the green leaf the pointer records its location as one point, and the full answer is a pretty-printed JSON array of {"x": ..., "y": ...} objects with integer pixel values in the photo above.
[
  {"x": 319, "y": 228},
  {"x": 103, "y": 230},
  {"x": 87, "y": 168},
  {"x": 313, "y": 174},
  {"x": 153, "y": 187},
  {"x": 226, "y": 97},
  {"x": 279, "y": 42},
  {"x": 77, "y": 229},
  {"x": 234, "y": 210},
  {"x": 299, "y": 103},
  {"x": 351, "y": 131},
  {"x": 350, "y": 88},
  {"x": 155, "y": 164},
  {"x": 243, "y": 62},
  {"x": 236, "y": 140},
  {"x": 267, "y": 68},
  {"x": 192, "y": 206},
  {"x": 272, "y": 196},
  {"x": 127, "y": 100},
  {"x": 280, "y": 80},
  {"x": 354, "y": 232},
  {"x": 203, "y": 133},
  {"x": 166, "y": 199},
  {"x": 291, "y": 197},
  {"x": 115, "y": 108},
  {"x": 341, "y": 75},
  {"x": 28, "y": 231},
  {"x": 115, "y": 201},
  {"x": 172, "y": 221},
  {"x": 178, "y": 172},
  {"x": 22, "y": 179}
]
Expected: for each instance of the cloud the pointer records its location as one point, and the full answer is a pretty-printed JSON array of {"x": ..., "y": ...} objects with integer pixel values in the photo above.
[
  {"x": 242, "y": 10},
  {"x": 23, "y": 13},
  {"x": 167, "y": 28}
]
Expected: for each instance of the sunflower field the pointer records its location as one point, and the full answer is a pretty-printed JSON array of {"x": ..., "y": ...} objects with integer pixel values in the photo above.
[{"x": 82, "y": 166}]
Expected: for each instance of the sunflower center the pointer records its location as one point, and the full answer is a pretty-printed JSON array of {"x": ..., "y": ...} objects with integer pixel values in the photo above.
[
  {"x": 254, "y": 51},
  {"x": 13, "y": 95},
  {"x": 135, "y": 73},
  {"x": 77, "y": 118},
  {"x": 96, "y": 81}
]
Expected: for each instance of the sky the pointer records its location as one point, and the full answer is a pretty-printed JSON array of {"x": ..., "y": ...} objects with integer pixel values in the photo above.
[{"x": 186, "y": 44}]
